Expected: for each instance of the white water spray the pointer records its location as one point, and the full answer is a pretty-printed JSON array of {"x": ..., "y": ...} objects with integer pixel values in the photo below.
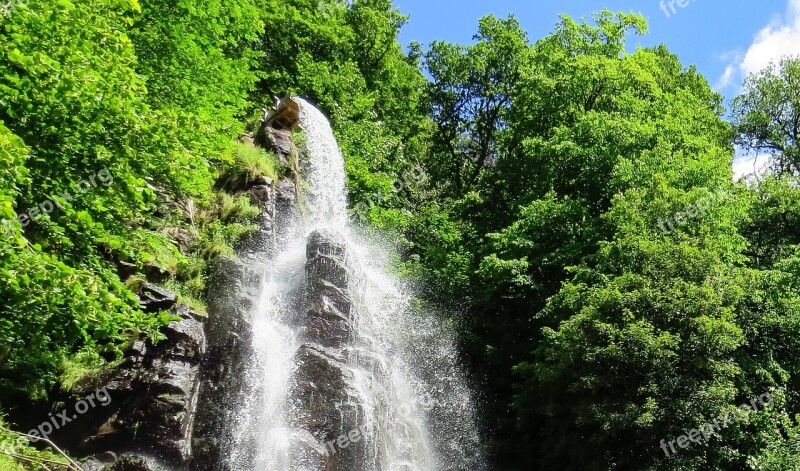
[{"x": 416, "y": 408}]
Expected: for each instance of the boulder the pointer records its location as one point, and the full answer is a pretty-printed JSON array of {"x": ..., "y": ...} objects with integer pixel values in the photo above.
[{"x": 281, "y": 142}]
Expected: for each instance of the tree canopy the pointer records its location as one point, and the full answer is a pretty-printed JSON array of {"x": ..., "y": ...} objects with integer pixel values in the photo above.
[{"x": 567, "y": 204}]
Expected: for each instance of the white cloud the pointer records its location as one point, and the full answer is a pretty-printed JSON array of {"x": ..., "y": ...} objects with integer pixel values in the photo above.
[
  {"x": 781, "y": 38},
  {"x": 746, "y": 165},
  {"x": 778, "y": 39},
  {"x": 726, "y": 78}
]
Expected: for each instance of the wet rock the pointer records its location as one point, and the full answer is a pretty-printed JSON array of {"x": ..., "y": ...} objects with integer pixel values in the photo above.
[
  {"x": 261, "y": 244},
  {"x": 111, "y": 462},
  {"x": 328, "y": 320},
  {"x": 305, "y": 448},
  {"x": 326, "y": 261},
  {"x": 327, "y": 406},
  {"x": 129, "y": 463},
  {"x": 153, "y": 395},
  {"x": 281, "y": 142},
  {"x": 153, "y": 298},
  {"x": 233, "y": 289},
  {"x": 287, "y": 210},
  {"x": 322, "y": 390}
]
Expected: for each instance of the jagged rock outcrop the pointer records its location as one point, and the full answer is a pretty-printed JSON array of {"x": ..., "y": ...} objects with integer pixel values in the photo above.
[
  {"x": 223, "y": 370},
  {"x": 233, "y": 290},
  {"x": 281, "y": 142},
  {"x": 284, "y": 116},
  {"x": 154, "y": 298},
  {"x": 276, "y": 134},
  {"x": 326, "y": 401},
  {"x": 153, "y": 393},
  {"x": 261, "y": 244},
  {"x": 328, "y": 320}
]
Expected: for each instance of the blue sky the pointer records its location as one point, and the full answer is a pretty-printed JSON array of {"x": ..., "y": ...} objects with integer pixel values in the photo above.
[
  {"x": 725, "y": 39},
  {"x": 712, "y": 34}
]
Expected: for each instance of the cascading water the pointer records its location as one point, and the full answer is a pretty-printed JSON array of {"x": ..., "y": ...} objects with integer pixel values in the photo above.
[{"x": 405, "y": 393}]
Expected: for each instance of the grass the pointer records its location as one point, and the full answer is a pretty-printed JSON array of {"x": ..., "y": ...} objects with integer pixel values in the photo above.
[
  {"x": 247, "y": 165},
  {"x": 86, "y": 370}
]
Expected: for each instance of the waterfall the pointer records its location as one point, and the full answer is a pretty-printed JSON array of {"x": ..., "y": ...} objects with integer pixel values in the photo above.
[
  {"x": 386, "y": 391},
  {"x": 323, "y": 169}
]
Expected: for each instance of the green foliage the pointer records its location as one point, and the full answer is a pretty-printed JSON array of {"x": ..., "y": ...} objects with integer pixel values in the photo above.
[
  {"x": 84, "y": 367},
  {"x": 773, "y": 219},
  {"x": 110, "y": 113},
  {"x": 611, "y": 271},
  {"x": 766, "y": 114},
  {"x": 216, "y": 230},
  {"x": 247, "y": 164},
  {"x": 12, "y": 443},
  {"x": 49, "y": 309}
]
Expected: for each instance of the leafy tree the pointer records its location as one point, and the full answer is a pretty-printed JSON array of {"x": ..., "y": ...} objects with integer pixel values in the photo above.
[
  {"x": 766, "y": 115},
  {"x": 88, "y": 130},
  {"x": 470, "y": 97},
  {"x": 772, "y": 226},
  {"x": 198, "y": 60},
  {"x": 602, "y": 260}
]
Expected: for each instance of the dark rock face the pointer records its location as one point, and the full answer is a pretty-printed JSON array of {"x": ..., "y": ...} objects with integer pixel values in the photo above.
[
  {"x": 223, "y": 369},
  {"x": 328, "y": 319},
  {"x": 153, "y": 393},
  {"x": 234, "y": 287},
  {"x": 154, "y": 298},
  {"x": 287, "y": 211},
  {"x": 111, "y": 462},
  {"x": 261, "y": 244},
  {"x": 325, "y": 397},
  {"x": 326, "y": 402},
  {"x": 281, "y": 141}
]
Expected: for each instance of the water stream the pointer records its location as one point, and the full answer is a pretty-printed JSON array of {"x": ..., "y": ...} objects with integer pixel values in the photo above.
[{"x": 418, "y": 414}]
